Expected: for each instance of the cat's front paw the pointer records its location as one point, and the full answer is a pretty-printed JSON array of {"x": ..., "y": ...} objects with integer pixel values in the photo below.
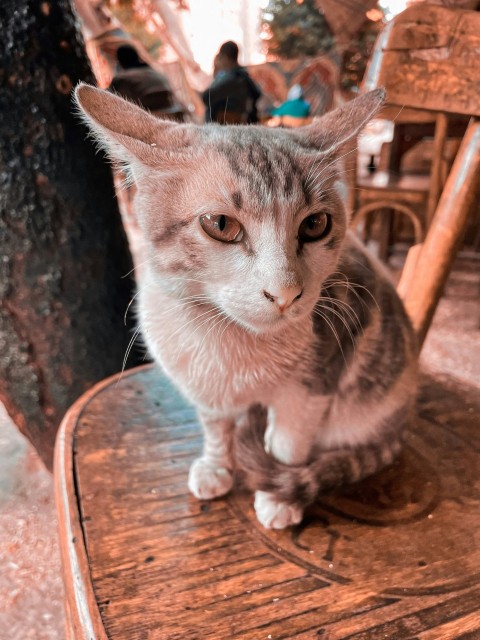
[
  {"x": 273, "y": 514},
  {"x": 207, "y": 481}
]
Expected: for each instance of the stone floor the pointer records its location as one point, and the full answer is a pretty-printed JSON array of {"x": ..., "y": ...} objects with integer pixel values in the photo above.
[
  {"x": 30, "y": 580},
  {"x": 31, "y": 590}
]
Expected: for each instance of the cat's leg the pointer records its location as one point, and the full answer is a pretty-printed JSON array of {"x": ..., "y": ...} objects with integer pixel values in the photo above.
[
  {"x": 211, "y": 475},
  {"x": 294, "y": 417}
]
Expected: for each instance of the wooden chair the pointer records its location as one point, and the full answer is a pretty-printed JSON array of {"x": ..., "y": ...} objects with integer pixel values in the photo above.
[
  {"x": 410, "y": 191},
  {"x": 395, "y": 557},
  {"x": 396, "y": 186},
  {"x": 427, "y": 60}
]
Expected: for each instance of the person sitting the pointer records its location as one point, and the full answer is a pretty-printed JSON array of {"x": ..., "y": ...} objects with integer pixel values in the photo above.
[
  {"x": 294, "y": 112},
  {"x": 232, "y": 97},
  {"x": 137, "y": 81}
]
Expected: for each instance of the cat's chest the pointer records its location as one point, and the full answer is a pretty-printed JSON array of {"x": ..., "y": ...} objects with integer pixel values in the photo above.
[{"x": 215, "y": 363}]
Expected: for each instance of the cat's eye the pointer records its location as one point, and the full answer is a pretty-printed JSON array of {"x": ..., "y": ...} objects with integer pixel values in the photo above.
[
  {"x": 222, "y": 228},
  {"x": 314, "y": 227}
]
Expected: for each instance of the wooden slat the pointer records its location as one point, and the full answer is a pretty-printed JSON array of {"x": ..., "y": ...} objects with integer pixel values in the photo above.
[{"x": 394, "y": 556}]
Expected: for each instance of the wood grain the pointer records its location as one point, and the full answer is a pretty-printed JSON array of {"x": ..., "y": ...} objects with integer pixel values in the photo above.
[
  {"x": 427, "y": 59},
  {"x": 394, "y": 557}
]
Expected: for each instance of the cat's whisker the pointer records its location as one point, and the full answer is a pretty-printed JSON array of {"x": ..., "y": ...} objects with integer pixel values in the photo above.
[
  {"x": 140, "y": 264},
  {"x": 227, "y": 324},
  {"x": 351, "y": 286},
  {"x": 178, "y": 307},
  {"x": 132, "y": 301},
  {"x": 223, "y": 317},
  {"x": 189, "y": 322},
  {"x": 332, "y": 328},
  {"x": 184, "y": 302},
  {"x": 195, "y": 318},
  {"x": 344, "y": 306},
  {"x": 210, "y": 104},
  {"x": 225, "y": 112},
  {"x": 354, "y": 285},
  {"x": 196, "y": 329},
  {"x": 184, "y": 278},
  {"x": 341, "y": 318},
  {"x": 127, "y": 352}
]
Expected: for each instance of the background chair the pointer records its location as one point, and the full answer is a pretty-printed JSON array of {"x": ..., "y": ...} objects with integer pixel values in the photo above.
[
  {"x": 427, "y": 60},
  {"x": 408, "y": 175}
]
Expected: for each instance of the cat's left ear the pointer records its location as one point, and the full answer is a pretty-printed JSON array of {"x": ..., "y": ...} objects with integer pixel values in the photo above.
[
  {"x": 128, "y": 133},
  {"x": 331, "y": 131}
]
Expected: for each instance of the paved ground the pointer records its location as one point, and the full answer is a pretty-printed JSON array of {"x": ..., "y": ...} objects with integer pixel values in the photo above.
[
  {"x": 30, "y": 582},
  {"x": 31, "y": 591}
]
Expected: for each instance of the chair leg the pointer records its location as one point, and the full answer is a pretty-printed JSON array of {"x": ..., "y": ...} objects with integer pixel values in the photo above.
[
  {"x": 427, "y": 278},
  {"x": 385, "y": 233}
]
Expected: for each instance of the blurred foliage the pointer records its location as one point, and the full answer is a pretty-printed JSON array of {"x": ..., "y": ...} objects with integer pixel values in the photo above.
[
  {"x": 357, "y": 54},
  {"x": 132, "y": 18},
  {"x": 295, "y": 29}
]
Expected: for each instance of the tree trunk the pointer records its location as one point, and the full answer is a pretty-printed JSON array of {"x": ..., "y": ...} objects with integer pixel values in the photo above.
[{"x": 63, "y": 251}]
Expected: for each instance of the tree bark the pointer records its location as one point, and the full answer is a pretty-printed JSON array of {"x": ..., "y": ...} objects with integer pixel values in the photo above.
[{"x": 63, "y": 250}]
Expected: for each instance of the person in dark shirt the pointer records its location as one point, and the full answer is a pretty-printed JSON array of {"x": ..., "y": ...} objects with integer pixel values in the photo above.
[
  {"x": 232, "y": 96},
  {"x": 137, "y": 81}
]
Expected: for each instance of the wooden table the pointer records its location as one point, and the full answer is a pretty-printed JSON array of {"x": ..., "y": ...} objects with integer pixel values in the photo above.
[{"x": 397, "y": 556}]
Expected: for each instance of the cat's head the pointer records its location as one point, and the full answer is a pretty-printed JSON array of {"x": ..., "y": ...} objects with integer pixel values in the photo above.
[{"x": 247, "y": 216}]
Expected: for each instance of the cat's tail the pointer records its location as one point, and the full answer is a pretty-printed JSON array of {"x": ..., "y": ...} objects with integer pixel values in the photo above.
[{"x": 300, "y": 485}]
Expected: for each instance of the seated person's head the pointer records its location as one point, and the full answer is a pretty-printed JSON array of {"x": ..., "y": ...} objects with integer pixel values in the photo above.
[
  {"x": 295, "y": 92},
  {"x": 227, "y": 56},
  {"x": 128, "y": 57}
]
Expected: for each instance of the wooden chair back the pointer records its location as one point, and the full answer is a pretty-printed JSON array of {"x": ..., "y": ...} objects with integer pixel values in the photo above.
[{"x": 427, "y": 59}]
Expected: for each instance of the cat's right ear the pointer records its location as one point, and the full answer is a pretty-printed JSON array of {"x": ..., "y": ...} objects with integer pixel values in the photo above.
[
  {"x": 328, "y": 133},
  {"x": 129, "y": 133}
]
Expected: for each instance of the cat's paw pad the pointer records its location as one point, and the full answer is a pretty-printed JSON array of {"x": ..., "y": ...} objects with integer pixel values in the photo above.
[
  {"x": 276, "y": 515},
  {"x": 207, "y": 481}
]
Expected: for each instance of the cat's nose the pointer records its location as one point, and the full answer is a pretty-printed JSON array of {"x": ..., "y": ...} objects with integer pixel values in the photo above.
[{"x": 283, "y": 297}]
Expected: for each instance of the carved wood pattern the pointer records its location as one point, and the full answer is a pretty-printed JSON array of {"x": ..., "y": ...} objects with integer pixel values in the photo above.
[{"x": 428, "y": 59}]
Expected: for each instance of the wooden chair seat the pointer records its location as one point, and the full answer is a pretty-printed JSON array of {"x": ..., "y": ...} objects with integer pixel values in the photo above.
[
  {"x": 394, "y": 557},
  {"x": 392, "y": 192},
  {"x": 414, "y": 188}
]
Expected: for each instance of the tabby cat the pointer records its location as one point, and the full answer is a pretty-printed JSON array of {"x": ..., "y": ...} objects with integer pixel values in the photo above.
[{"x": 266, "y": 312}]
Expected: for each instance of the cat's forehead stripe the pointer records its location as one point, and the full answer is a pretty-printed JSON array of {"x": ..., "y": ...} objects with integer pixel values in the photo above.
[
  {"x": 237, "y": 200},
  {"x": 265, "y": 170}
]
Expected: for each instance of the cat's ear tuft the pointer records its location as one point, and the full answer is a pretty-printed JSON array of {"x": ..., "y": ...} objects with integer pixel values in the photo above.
[
  {"x": 128, "y": 132},
  {"x": 331, "y": 131}
]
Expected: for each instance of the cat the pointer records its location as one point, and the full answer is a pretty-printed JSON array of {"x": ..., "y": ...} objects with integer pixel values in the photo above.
[{"x": 260, "y": 304}]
